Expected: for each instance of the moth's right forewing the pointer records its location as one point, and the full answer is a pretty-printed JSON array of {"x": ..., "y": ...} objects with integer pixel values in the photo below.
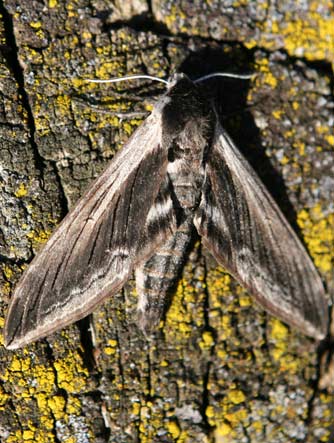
[
  {"x": 93, "y": 251},
  {"x": 246, "y": 232}
]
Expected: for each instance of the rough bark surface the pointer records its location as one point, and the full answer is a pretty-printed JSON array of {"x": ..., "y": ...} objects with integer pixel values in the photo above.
[{"x": 219, "y": 369}]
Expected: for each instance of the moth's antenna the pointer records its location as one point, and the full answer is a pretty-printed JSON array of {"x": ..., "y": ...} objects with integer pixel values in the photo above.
[
  {"x": 223, "y": 74},
  {"x": 129, "y": 77}
]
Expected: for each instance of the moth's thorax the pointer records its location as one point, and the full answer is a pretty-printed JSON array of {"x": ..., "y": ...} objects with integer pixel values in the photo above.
[
  {"x": 187, "y": 131},
  {"x": 186, "y": 164}
]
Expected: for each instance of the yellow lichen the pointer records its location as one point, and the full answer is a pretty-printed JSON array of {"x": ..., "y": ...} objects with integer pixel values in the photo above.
[
  {"x": 108, "y": 350},
  {"x": 301, "y": 148},
  {"x": 36, "y": 57},
  {"x": 57, "y": 406},
  {"x": 174, "y": 429},
  {"x": 222, "y": 354},
  {"x": 148, "y": 107},
  {"x": 68, "y": 369},
  {"x": 38, "y": 236},
  {"x": 318, "y": 231},
  {"x": 284, "y": 160},
  {"x": 222, "y": 431},
  {"x": 44, "y": 377},
  {"x": 73, "y": 405},
  {"x": 330, "y": 139},
  {"x": 309, "y": 35},
  {"x": 7, "y": 271},
  {"x": 178, "y": 318},
  {"x": 4, "y": 397},
  {"x": 250, "y": 44},
  {"x": 290, "y": 133},
  {"x": 278, "y": 330},
  {"x": 36, "y": 25},
  {"x": 244, "y": 300},
  {"x": 129, "y": 126},
  {"x": 86, "y": 35},
  {"x": 22, "y": 191},
  {"x": 280, "y": 347},
  {"x": 207, "y": 340},
  {"x": 136, "y": 406},
  {"x": 277, "y": 114},
  {"x": 236, "y": 396},
  {"x": 210, "y": 412},
  {"x": 310, "y": 38},
  {"x": 111, "y": 348},
  {"x": 107, "y": 70},
  {"x": 321, "y": 129},
  {"x": 235, "y": 417},
  {"x": 42, "y": 400},
  {"x": 267, "y": 77},
  {"x": 62, "y": 104},
  {"x": 19, "y": 364}
]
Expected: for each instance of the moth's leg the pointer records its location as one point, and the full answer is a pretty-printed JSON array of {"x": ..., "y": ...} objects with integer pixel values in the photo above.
[{"x": 157, "y": 277}]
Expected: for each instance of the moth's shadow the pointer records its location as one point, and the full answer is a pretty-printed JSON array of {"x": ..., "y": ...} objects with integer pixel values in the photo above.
[{"x": 229, "y": 96}]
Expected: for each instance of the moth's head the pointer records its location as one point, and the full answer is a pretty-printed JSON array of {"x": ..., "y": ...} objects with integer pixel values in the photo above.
[
  {"x": 183, "y": 91},
  {"x": 183, "y": 105},
  {"x": 178, "y": 78},
  {"x": 175, "y": 78}
]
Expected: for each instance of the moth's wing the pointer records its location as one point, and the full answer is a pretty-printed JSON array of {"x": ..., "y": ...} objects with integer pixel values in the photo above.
[
  {"x": 90, "y": 256},
  {"x": 244, "y": 229}
]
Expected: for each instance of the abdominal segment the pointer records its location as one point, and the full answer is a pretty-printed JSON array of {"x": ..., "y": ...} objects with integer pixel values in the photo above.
[{"x": 157, "y": 277}]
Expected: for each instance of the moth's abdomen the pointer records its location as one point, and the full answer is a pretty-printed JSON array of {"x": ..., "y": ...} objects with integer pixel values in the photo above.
[{"x": 157, "y": 277}]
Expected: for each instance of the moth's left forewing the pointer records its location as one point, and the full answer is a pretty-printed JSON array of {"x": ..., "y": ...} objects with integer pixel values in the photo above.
[
  {"x": 244, "y": 229},
  {"x": 92, "y": 253}
]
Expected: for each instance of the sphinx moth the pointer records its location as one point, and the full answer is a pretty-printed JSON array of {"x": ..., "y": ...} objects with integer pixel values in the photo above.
[{"x": 178, "y": 174}]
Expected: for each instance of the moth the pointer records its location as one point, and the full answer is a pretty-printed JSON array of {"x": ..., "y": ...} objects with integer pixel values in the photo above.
[{"x": 178, "y": 174}]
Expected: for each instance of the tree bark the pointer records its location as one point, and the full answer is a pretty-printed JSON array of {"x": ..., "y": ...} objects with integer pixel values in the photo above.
[{"x": 219, "y": 369}]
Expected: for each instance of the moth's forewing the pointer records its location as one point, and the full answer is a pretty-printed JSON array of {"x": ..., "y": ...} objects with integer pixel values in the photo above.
[
  {"x": 95, "y": 248},
  {"x": 246, "y": 232}
]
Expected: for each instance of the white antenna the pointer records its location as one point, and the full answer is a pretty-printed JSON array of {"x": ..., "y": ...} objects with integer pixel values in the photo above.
[
  {"x": 129, "y": 77},
  {"x": 161, "y": 80},
  {"x": 223, "y": 74}
]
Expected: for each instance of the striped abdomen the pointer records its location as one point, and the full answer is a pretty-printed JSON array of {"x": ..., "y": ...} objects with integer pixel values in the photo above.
[{"x": 156, "y": 279}]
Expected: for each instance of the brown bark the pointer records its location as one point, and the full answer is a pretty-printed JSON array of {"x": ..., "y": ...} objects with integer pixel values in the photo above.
[{"x": 220, "y": 369}]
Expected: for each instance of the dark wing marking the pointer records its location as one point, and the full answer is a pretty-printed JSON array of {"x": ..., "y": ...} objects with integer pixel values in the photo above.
[
  {"x": 93, "y": 251},
  {"x": 244, "y": 229}
]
